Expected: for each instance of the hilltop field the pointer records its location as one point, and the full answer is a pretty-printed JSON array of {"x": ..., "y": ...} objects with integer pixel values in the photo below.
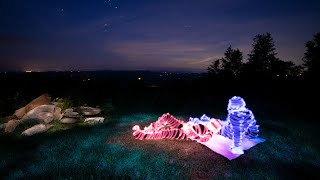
[{"x": 283, "y": 108}]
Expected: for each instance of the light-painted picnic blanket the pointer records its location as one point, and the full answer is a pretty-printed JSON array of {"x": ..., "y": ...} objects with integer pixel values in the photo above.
[{"x": 221, "y": 145}]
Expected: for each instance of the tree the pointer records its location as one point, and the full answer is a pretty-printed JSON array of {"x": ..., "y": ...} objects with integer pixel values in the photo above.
[
  {"x": 285, "y": 68},
  {"x": 215, "y": 68},
  {"x": 311, "y": 57},
  {"x": 230, "y": 65},
  {"x": 263, "y": 55}
]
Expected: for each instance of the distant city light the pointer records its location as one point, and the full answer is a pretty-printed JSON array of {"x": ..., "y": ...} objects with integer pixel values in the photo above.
[{"x": 28, "y": 71}]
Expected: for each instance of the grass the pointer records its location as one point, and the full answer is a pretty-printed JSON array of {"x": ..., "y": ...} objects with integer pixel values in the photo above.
[{"x": 109, "y": 151}]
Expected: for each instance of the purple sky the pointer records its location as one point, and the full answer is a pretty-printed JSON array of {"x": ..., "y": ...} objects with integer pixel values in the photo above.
[{"x": 184, "y": 35}]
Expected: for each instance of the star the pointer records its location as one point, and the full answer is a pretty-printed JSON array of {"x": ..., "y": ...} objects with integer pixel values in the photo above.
[{"x": 60, "y": 11}]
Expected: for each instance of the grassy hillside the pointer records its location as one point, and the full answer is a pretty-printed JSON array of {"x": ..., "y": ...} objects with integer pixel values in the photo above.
[{"x": 282, "y": 108}]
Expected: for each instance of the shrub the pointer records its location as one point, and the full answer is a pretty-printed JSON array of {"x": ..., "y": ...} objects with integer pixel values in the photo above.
[{"x": 63, "y": 103}]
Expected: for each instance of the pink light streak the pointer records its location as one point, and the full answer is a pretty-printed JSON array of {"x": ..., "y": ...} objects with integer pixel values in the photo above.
[{"x": 169, "y": 127}]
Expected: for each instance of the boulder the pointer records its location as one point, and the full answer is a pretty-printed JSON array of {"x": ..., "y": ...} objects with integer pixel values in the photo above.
[
  {"x": 20, "y": 112},
  {"x": 71, "y": 114},
  {"x": 3, "y": 126},
  {"x": 68, "y": 120},
  {"x": 69, "y": 110},
  {"x": 39, "y": 128},
  {"x": 40, "y": 114},
  {"x": 89, "y": 111},
  {"x": 57, "y": 113},
  {"x": 44, "y": 99},
  {"x": 11, "y": 125},
  {"x": 94, "y": 120}
]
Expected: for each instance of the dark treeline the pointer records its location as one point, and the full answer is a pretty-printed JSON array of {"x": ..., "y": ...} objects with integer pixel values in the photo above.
[{"x": 263, "y": 62}]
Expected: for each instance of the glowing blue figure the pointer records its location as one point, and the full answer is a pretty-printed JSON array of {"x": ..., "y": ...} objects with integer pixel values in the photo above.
[{"x": 240, "y": 123}]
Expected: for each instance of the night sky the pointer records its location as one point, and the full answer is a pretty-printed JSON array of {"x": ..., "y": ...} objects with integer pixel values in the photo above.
[{"x": 184, "y": 35}]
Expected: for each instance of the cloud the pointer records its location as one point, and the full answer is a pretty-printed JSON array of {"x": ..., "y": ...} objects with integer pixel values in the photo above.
[
  {"x": 164, "y": 48},
  {"x": 203, "y": 61},
  {"x": 167, "y": 53}
]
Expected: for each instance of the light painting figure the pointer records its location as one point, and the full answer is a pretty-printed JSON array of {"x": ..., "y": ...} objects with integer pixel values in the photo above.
[
  {"x": 169, "y": 127},
  {"x": 240, "y": 123}
]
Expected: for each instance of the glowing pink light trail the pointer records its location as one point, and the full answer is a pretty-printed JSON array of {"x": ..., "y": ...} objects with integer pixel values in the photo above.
[{"x": 169, "y": 127}]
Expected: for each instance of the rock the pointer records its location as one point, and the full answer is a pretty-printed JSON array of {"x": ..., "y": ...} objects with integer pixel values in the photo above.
[
  {"x": 11, "y": 125},
  {"x": 71, "y": 114},
  {"x": 57, "y": 113},
  {"x": 68, "y": 120},
  {"x": 44, "y": 99},
  {"x": 39, "y": 128},
  {"x": 69, "y": 110},
  {"x": 3, "y": 126},
  {"x": 41, "y": 114},
  {"x": 89, "y": 111},
  {"x": 94, "y": 120},
  {"x": 20, "y": 112}
]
